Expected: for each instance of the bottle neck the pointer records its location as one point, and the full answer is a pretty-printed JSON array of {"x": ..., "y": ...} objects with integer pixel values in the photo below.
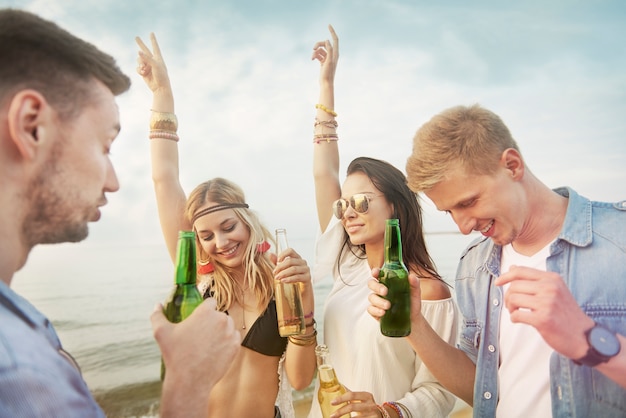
[
  {"x": 393, "y": 244},
  {"x": 186, "y": 259}
]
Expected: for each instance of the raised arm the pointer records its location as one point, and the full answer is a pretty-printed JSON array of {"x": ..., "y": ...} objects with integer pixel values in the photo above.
[
  {"x": 169, "y": 193},
  {"x": 325, "y": 151}
]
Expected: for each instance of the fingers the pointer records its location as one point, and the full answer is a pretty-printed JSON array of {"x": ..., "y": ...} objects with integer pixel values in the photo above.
[
  {"x": 319, "y": 52},
  {"x": 335, "y": 49},
  {"x": 155, "y": 45},
  {"x": 292, "y": 270},
  {"x": 142, "y": 45},
  {"x": 158, "y": 321},
  {"x": 377, "y": 287},
  {"x": 361, "y": 402},
  {"x": 378, "y": 305}
]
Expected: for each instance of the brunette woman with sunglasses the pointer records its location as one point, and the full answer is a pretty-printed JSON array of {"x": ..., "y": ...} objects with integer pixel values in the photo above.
[
  {"x": 383, "y": 375},
  {"x": 236, "y": 268}
]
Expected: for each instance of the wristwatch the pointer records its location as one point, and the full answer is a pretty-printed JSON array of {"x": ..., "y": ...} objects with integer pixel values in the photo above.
[{"x": 603, "y": 345}]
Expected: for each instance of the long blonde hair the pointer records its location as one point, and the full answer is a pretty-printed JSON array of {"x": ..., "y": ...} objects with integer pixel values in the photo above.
[{"x": 258, "y": 267}]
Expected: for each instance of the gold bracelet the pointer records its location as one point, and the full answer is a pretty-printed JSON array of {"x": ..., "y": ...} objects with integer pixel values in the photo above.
[
  {"x": 163, "y": 121},
  {"x": 325, "y": 109},
  {"x": 304, "y": 340}
]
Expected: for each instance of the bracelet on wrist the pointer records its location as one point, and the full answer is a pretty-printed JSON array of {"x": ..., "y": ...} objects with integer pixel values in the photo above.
[
  {"x": 172, "y": 136},
  {"x": 325, "y": 109},
  {"x": 395, "y": 407},
  {"x": 163, "y": 121},
  {"x": 383, "y": 412}
]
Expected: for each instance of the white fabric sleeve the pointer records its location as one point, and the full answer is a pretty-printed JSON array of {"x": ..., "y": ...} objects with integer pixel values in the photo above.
[{"x": 327, "y": 247}]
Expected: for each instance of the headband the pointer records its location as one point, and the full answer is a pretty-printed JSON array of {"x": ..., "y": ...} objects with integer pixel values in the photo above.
[{"x": 215, "y": 208}]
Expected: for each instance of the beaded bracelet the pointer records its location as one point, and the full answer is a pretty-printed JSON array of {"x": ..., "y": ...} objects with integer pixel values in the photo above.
[
  {"x": 395, "y": 407},
  {"x": 311, "y": 324},
  {"x": 309, "y": 315},
  {"x": 325, "y": 109},
  {"x": 405, "y": 410},
  {"x": 383, "y": 411},
  {"x": 163, "y": 121},
  {"x": 317, "y": 138},
  {"x": 172, "y": 136}
]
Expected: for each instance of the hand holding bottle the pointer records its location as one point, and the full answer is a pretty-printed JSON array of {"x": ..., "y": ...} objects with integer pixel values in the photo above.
[
  {"x": 379, "y": 305},
  {"x": 192, "y": 372},
  {"x": 361, "y": 402},
  {"x": 289, "y": 308}
]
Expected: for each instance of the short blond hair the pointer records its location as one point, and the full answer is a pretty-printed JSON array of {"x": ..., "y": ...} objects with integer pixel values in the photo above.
[{"x": 468, "y": 135}]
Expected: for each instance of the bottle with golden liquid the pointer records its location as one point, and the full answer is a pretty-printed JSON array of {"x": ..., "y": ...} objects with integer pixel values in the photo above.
[
  {"x": 330, "y": 388},
  {"x": 288, "y": 299}
]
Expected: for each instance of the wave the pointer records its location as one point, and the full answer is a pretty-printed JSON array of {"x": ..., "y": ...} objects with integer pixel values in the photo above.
[{"x": 138, "y": 400}]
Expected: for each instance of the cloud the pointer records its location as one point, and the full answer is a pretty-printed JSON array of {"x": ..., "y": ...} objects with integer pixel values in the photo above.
[{"x": 245, "y": 89}]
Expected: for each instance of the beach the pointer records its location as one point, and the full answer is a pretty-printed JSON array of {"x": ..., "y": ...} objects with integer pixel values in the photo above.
[{"x": 99, "y": 299}]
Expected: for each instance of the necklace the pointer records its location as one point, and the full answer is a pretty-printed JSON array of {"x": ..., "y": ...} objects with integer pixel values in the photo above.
[
  {"x": 243, "y": 304},
  {"x": 243, "y": 309}
]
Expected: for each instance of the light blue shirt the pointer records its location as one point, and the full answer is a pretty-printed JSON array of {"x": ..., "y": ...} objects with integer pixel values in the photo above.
[
  {"x": 590, "y": 255},
  {"x": 37, "y": 379}
]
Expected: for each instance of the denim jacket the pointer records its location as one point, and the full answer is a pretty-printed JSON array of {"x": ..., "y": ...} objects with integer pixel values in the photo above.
[{"x": 590, "y": 255}]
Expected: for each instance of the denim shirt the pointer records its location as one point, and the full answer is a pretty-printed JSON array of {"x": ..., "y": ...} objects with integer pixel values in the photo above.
[
  {"x": 37, "y": 378},
  {"x": 590, "y": 255}
]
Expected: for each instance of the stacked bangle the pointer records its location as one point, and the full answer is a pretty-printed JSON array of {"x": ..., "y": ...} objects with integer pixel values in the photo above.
[
  {"x": 305, "y": 340},
  {"x": 317, "y": 138},
  {"x": 395, "y": 407},
  {"x": 163, "y": 121},
  {"x": 327, "y": 123},
  {"x": 172, "y": 136},
  {"x": 325, "y": 109},
  {"x": 405, "y": 410},
  {"x": 383, "y": 412}
]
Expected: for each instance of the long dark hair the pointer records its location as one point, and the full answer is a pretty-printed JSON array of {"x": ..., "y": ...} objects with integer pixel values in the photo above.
[{"x": 392, "y": 183}]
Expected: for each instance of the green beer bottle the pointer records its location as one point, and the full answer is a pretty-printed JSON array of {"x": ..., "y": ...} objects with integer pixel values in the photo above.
[
  {"x": 397, "y": 320},
  {"x": 185, "y": 296}
]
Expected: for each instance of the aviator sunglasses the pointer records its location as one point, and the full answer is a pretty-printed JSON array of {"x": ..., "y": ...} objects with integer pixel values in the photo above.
[{"x": 360, "y": 202}]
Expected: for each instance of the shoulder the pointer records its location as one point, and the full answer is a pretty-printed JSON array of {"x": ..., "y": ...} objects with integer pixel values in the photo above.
[{"x": 433, "y": 289}]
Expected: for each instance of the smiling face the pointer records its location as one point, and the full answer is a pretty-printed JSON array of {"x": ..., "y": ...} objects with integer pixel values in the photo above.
[
  {"x": 71, "y": 184},
  {"x": 492, "y": 204},
  {"x": 365, "y": 228},
  {"x": 223, "y": 236}
]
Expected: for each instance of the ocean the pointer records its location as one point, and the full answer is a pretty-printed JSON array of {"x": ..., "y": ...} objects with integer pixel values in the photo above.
[{"x": 99, "y": 298}]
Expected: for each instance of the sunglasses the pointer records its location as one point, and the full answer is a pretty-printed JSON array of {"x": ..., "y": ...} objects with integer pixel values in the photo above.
[{"x": 360, "y": 202}]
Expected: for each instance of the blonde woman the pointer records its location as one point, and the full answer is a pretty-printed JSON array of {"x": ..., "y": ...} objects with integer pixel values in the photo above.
[{"x": 236, "y": 268}]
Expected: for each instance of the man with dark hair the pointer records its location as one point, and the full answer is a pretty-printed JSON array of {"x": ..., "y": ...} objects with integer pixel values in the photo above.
[{"x": 58, "y": 120}]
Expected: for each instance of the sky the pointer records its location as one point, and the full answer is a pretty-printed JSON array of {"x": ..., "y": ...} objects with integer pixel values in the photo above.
[{"x": 245, "y": 90}]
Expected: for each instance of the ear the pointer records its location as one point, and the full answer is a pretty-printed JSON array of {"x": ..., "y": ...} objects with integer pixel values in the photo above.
[
  {"x": 27, "y": 111},
  {"x": 512, "y": 161}
]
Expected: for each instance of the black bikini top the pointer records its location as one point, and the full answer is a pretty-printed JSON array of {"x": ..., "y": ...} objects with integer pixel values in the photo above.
[{"x": 263, "y": 336}]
